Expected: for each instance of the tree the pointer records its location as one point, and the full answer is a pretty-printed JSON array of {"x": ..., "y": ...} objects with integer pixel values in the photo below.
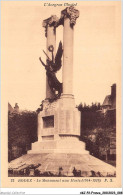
[
  {"x": 22, "y": 130},
  {"x": 103, "y": 141},
  {"x": 102, "y": 126}
]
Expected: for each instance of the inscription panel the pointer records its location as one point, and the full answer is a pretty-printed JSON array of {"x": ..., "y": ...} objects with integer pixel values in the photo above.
[
  {"x": 69, "y": 121},
  {"x": 48, "y": 121},
  {"x": 62, "y": 119}
]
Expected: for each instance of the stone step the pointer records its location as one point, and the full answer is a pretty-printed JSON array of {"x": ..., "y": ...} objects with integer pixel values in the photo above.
[
  {"x": 59, "y": 144},
  {"x": 74, "y": 151}
]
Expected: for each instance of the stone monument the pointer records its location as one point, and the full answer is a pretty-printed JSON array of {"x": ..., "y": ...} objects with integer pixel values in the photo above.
[
  {"x": 58, "y": 150},
  {"x": 59, "y": 120}
]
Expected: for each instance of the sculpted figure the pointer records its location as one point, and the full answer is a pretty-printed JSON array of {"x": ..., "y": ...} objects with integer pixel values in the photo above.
[{"x": 52, "y": 66}]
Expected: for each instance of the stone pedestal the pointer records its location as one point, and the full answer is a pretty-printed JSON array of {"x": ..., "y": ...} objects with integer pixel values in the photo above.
[{"x": 59, "y": 128}]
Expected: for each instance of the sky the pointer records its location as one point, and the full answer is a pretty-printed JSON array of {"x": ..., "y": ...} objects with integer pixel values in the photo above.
[{"x": 97, "y": 51}]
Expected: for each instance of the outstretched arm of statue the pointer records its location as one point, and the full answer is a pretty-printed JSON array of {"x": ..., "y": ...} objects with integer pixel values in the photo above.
[
  {"x": 53, "y": 59},
  {"x": 42, "y": 62},
  {"x": 46, "y": 55}
]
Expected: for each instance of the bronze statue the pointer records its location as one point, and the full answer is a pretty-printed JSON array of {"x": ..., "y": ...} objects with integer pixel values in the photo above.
[{"x": 52, "y": 66}]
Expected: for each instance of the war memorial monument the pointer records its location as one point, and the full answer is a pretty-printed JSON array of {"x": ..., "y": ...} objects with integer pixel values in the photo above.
[{"x": 59, "y": 149}]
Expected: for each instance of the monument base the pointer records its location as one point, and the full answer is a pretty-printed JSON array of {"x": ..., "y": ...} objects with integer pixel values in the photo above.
[
  {"x": 85, "y": 164},
  {"x": 59, "y": 128},
  {"x": 63, "y": 144}
]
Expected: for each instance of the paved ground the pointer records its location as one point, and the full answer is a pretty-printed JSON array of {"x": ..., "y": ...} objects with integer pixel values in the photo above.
[{"x": 52, "y": 162}]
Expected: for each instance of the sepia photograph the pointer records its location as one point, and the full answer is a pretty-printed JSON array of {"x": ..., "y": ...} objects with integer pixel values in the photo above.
[{"x": 61, "y": 93}]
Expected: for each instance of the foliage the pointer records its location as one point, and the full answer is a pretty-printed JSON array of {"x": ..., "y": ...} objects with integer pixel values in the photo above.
[
  {"x": 92, "y": 117},
  {"x": 22, "y": 130},
  {"x": 97, "y": 128}
]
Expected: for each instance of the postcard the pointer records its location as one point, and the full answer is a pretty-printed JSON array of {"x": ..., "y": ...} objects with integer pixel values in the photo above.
[{"x": 61, "y": 94}]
